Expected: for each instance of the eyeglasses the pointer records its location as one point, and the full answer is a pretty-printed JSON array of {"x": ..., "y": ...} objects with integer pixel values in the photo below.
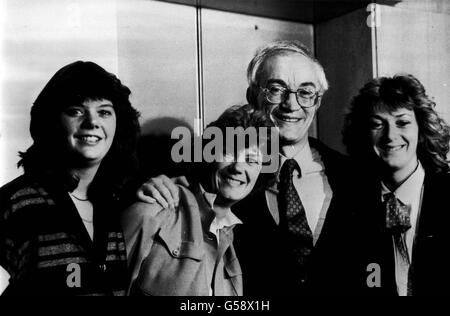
[{"x": 276, "y": 94}]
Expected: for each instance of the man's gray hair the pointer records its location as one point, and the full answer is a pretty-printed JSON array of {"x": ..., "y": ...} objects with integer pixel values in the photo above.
[{"x": 282, "y": 48}]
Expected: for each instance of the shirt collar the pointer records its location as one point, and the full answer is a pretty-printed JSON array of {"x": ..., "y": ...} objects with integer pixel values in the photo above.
[
  {"x": 308, "y": 159},
  {"x": 228, "y": 220},
  {"x": 410, "y": 188}
]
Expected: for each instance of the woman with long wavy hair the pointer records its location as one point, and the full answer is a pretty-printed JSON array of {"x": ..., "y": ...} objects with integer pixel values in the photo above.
[
  {"x": 59, "y": 227},
  {"x": 401, "y": 143}
]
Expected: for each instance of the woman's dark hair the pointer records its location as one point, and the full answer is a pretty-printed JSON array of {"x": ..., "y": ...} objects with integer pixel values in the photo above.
[
  {"x": 72, "y": 85},
  {"x": 243, "y": 116},
  {"x": 390, "y": 94}
]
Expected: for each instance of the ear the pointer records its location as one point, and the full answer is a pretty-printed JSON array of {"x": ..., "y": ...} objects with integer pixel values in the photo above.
[{"x": 318, "y": 102}]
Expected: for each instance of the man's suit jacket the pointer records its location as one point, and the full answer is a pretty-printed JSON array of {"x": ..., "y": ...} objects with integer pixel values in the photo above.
[
  {"x": 431, "y": 256},
  {"x": 261, "y": 247}
]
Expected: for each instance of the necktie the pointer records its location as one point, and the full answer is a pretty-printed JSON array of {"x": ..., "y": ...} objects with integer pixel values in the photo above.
[
  {"x": 397, "y": 222},
  {"x": 293, "y": 218}
]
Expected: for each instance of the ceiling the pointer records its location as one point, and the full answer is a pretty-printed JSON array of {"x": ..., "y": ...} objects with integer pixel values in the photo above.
[{"x": 306, "y": 11}]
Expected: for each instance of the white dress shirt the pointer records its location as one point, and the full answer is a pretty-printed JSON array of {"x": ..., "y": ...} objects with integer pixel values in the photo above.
[
  {"x": 218, "y": 223},
  {"x": 409, "y": 193},
  {"x": 312, "y": 187},
  {"x": 228, "y": 220},
  {"x": 4, "y": 277}
]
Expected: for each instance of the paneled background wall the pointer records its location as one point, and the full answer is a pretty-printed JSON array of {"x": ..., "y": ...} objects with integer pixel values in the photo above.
[
  {"x": 152, "y": 46},
  {"x": 344, "y": 47},
  {"x": 38, "y": 38},
  {"x": 381, "y": 40},
  {"x": 415, "y": 37}
]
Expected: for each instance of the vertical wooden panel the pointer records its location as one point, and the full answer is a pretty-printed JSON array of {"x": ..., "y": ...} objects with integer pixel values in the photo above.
[
  {"x": 157, "y": 57},
  {"x": 344, "y": 47},
  {"x": 417, "y": 42},
  {"x": 156, "y": 45}
]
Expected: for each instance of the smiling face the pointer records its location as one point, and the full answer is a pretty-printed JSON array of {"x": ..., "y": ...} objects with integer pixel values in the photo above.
[
  {"x": 89, "y": 130},
  {"x": 292, "y": 71},
  {"x": 394, "y": 138},
  {"x": 235, "y": 178}
]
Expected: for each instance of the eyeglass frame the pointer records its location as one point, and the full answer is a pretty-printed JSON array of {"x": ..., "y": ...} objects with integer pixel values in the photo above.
[{"x": 287, "y": 92}]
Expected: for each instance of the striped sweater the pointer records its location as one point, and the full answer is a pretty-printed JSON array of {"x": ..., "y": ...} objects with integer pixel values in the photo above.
[{"x": 46, "y": 249}]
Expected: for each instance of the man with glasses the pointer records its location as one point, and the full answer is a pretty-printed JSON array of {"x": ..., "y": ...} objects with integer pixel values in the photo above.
[
  {"x": 293, "y": 237},
  {"x": 294, "y": 234}
]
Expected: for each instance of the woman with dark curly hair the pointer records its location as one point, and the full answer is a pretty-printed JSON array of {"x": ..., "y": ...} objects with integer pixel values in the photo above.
[
  {"x": 393, "y": 129},
  {"x": 59, "y": 227},
  {"x": 190, "y": 251}
]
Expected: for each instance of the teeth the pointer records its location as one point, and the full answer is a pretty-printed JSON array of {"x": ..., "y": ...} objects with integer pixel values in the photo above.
[
  {"x": 393, "y": 149},
  {"x": 89, "y": 139},
  {"x": 288, "y": 119},
  {"x": 233, "y": 182}
]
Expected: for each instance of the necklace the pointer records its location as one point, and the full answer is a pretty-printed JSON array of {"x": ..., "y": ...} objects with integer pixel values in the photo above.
[{"x": 77, "y": 198}]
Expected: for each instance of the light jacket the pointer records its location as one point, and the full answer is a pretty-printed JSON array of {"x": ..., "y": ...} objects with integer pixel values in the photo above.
[{"x": 166, "y": 250}]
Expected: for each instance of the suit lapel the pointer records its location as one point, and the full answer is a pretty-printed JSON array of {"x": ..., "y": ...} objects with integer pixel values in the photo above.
[
  {"x": 425, "y": 244},
  {"x": 382, "y": 241},
  {"x": 334, "y": 170}
]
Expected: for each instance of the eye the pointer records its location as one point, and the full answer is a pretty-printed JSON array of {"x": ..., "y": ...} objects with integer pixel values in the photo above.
[
  {"x": 403, "y": 123},
  {"x": 228, "y": 157},
  {"x": 105, "y": 113},
  {"x": 253, "y": 159},
  {"x": 276, "y": 90},
  {"x": 375, "y": 125},
  {"x": 306, "y": 93},
  {"x": 74, "y": 111}
]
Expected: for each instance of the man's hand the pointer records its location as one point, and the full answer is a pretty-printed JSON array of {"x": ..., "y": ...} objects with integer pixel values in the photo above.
[{"x": 162, "y": 190}]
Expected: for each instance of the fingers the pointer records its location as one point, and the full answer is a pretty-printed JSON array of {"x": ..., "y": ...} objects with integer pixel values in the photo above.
[
  {"x": 160, "y": 189},
  {"x": 159, "y": 197},
  {"x": 169, "y": 190},
  {"x": 143, "y": 197},
  {"x": 181, "y": 181}
]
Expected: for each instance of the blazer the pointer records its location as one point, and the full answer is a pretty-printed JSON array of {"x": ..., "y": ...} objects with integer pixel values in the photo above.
[
  {"x": 262, "y": 251},
  {"x": 429, "y": 273},
  {"x": 166, "y": 250}
]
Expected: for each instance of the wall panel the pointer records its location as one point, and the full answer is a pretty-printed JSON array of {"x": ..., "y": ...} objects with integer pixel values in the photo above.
[
  {"x": 157, "y": 53},
  {"x": 417, "y": 42},
  {"x": 344, "y": 47}
]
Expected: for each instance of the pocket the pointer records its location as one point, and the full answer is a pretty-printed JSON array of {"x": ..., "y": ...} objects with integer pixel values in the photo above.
[{"x": 181, "y": 249}]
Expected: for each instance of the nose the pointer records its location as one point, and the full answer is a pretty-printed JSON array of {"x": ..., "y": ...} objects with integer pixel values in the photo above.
[
  {"x": 290, "y": 104},
  {"x": 391, "y": 132},
  {"x": 90, "y": 120},
  {"x": 237, "y": 167}
]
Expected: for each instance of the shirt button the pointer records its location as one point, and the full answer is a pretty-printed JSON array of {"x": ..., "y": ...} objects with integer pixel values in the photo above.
[
  {"x": 176, "y": 252},
  {"x": 102, "y": 267}
]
